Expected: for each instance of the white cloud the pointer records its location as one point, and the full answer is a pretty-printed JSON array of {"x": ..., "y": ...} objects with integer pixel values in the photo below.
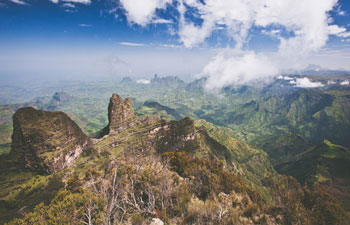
[
  {"x": 306, "y": 83},
  {"x": 341, "y": 13},
  {"x": 335, "y": 29},
  {"x": 280, "y": 77},
  {"x": 171, "y": 46},
  {"x": 306, "y": 21},
  {"x": 142, "y": 12},
  {"x": 338, "y": 31},
  {"x": 162, "y": 21},
  {"x": 142, "y": 81},
  {"x": 85, "y": 25},
  {"x": 20, "y": 2},
  {"x": 288, "y": 78},
  {"x": 331, "y": 82},
  {"x": 68, "y": 5},
  {"x": 345, "y": 82},
  {"x": 247, "y": 69},
  {"x": 86, "y": 2},
  {"x": 271, "y": 32},
  {"x": 344, "y": 35},
  {"x": 132, "y": 44}
]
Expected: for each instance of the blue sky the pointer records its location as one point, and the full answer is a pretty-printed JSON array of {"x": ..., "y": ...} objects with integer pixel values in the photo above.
[{"x": 90, "y": 38}]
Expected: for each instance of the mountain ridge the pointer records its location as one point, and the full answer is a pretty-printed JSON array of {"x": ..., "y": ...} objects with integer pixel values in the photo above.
[{"x": 185, "y": 171}]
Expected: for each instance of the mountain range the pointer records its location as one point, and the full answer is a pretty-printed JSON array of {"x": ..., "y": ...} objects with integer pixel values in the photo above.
[{"x": 218, "y": 159}]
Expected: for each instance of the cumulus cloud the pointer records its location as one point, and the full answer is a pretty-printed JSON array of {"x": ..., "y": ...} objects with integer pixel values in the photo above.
[
  {"x": 239, "y": 69},
  {"x": 345, "y": 82},
  {"x": 142, "y": 12},
  {"x": 306, "y": 83},
  {"x": 309, "y": 25},
  {"x": 338, "y": 31},
  {"x": 142, "y": 81},
  {"x": 306, "y": 27}
]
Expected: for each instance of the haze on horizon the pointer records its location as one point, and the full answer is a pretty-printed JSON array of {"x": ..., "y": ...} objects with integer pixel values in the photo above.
[{"x": 232, "y": 42}]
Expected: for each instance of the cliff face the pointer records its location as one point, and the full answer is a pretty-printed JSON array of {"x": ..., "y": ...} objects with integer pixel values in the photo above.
[
  {"x": 120, "y": 114},
  {"x": 44, "y": 141}
]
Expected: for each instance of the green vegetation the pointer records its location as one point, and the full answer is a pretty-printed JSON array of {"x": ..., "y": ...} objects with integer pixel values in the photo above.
[
  {"x": 325, "y": 164},
  {"x": 216, "y": 169}
]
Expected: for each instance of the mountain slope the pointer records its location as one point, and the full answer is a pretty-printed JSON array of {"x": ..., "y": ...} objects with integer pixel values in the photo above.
[
  {"x": 326, "y": 164},
  {"x": 183, "y": 172}
]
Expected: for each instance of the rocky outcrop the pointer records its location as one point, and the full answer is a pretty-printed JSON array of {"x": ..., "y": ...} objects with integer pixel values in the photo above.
[
  {"x": 177, "y": 136},
  {"x": 45, "y": 141},
  {"x": 120, "y": 114}
]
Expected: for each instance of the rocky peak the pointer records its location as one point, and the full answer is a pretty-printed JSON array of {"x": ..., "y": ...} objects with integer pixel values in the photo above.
[
  {"x": 120, "y": 114},
  {"x": 45, "y": 141},
  {"x": 61, "y": 96}
]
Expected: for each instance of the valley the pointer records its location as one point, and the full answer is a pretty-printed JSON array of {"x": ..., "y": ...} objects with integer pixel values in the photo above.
[{"x": 253, "y": 130}]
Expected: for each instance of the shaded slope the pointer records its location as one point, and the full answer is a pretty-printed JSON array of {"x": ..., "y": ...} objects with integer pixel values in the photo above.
[{"x": 325, "y": 163}]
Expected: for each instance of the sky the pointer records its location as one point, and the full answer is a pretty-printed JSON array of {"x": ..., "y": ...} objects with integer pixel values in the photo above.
[{"x": 231, "y": 42}]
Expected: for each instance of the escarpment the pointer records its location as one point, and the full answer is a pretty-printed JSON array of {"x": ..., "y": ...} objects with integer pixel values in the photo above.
[
  {"x": 183, "y": 171},
  {"x": 45, "y": 142}
]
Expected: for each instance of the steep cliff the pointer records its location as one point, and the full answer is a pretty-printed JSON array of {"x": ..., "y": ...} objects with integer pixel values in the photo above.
[
  {"x": 44, "y": 141},
  {"x": 120, "y": 115}
]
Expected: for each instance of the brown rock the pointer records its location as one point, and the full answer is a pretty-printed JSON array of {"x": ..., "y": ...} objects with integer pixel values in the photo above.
[
  {"x": 177, "y": 136},
  {"x": 120, "y": 114},
  {"x": 45, "y": 141}
]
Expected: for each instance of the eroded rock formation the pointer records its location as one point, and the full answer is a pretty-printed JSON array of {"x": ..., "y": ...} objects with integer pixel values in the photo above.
[
  {"x": 45, "y": 141},
  {"x": 120, "y": 114}
]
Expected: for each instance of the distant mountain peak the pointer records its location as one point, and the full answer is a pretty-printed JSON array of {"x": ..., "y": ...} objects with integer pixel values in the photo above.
[
  {"x": 61, "y": 96},
  {"x": 314, "y": 67}
]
